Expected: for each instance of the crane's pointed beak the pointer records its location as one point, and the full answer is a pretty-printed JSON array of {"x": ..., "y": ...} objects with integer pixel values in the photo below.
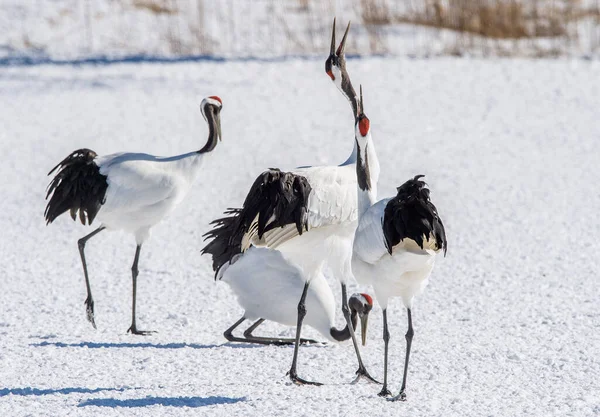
[
  {"x": 361, "y": 104},
  {"x": 332, "y": 48},
  {"x": 364, "y": 321},
  {"x": 332, "y": 58},
  {"x": 342, "y": 47},
  {"x": 219, "y": 126}
]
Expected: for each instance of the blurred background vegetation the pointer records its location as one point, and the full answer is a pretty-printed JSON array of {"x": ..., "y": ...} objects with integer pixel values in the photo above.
[{"x": 300, "y": 27}]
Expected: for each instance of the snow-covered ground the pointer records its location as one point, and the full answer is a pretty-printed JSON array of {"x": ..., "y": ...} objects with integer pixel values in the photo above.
[{"x": 509, "y": 324}]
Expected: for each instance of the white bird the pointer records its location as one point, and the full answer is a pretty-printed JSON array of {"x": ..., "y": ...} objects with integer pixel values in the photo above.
[
  {"x": 274, "y": 290},
  {"x": 126, "y": 191},
  {"x": 396, "y": 240},
  {"x": 309, "y": 215}
]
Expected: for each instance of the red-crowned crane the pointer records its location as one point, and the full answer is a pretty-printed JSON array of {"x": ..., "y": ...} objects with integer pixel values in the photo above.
[
  {"x": 396, "y": 241},
  {"x": 309, "y": 215},
  {"x": 126, "y": 191}
]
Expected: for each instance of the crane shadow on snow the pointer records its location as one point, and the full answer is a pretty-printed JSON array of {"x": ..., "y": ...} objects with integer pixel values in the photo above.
[
  {"x": 27, "y": 391},
  {"x": 192, "y": 402},
  {"x": 102, "y": 345}
]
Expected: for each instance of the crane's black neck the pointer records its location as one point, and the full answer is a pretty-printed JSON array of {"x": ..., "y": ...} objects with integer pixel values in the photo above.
[
  {"x": 367, "y": 174},
  {"x": 211, "y": 119},
  {"x": 347, "y": 88},
  {"x": 350, "y": 94},
  {"x": 363, "y": 174},
  {"x": 344, "y": 334}
]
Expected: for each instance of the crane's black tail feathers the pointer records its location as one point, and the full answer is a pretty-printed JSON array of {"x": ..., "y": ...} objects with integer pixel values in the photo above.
[
  {"x": 412, "y": 215},
  {"x": 226, "y": 239},
  {"x": 78, "y": 186},
  {"x": 276, "y": 199}
]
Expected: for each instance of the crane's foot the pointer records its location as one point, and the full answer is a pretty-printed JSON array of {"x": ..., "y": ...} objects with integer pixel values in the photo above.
[
  {"x": 399, "y": 397},
  {"x": 363, "y": 373},
  {"x": 89, "y": 309},
  {"x": 133, "y": 330},
  {"x": 299, "y": 381},
  {"x": 385, "y": 392}
]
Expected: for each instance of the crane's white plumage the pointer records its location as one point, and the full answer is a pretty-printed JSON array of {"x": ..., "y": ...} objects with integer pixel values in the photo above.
[
  {"x": 369, "y": 244},
  {"x": 333, "y": 200},
  {"x": 276, "y": 289},
  {"x": 332, "y": 215},
  {"x": 143, "y": 189},
  {"x": 396, "y": 240},
  {"x": 126, "y": 191},
  {"x": 269, "y": 287},
  {"x": 404, "y": 273},
  {"x": 308, "y": 215}
]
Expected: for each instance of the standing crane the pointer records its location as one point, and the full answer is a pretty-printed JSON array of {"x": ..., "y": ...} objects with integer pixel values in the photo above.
[
  {"x": 309, "y": 215},
  {"x": 126, "y": 191},
  {"x": 396, "y": 241}
]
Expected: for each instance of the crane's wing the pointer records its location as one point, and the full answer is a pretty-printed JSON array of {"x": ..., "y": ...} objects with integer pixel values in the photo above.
[
  {"x": 412, "y": 216},
  {"x": 276, "y": 199},
  {"x": 283, "y": 205},
  {"x": 331, "y": 201},
  {"x": 406, "y": 225},
  {"x": 135, "y": 182},
  {"x": 369, "y": 242}
]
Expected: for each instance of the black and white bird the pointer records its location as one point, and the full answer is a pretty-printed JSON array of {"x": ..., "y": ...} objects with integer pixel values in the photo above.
[
  {"x": 126, "y": 191},
  {"x": 309, "y": 215},
  {"x": 273, "y": 292},
  {"x": 396, "y": 241},
  {"x": 335, "y": 67}
]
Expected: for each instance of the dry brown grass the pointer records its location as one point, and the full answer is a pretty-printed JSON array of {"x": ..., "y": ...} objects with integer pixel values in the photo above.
[
  {"x": 484, "y": 27},
  {"x": 497, "y": 19},
  {"x": 156, "y": 6},
  {"x": 593, "y": 12},
  {"x": 304, "y": 5},
  {"x": 375, "y": 13}
]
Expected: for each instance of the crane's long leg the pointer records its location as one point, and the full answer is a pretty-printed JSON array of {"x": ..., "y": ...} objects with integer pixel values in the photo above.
[
  {"x": 301, "y": 313},
  {"x": 249, "y": 338},
  {"x": 229, "y": 332},
  {"x": 89, "y": 301},
  {"x": 134, "y": 274},
  {"x": 386, "y": 339},
  {"x": 409, "y": 336},
  {"x": 249, "y": 330},
  {"x": 362, "y": 371}
]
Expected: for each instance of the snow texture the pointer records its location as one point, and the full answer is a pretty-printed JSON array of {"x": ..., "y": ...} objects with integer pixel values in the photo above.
[{"x": 509, "y": 324}]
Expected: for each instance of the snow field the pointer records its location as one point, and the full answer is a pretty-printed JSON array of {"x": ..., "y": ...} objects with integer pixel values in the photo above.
[{"x": 509, "y": 324}]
